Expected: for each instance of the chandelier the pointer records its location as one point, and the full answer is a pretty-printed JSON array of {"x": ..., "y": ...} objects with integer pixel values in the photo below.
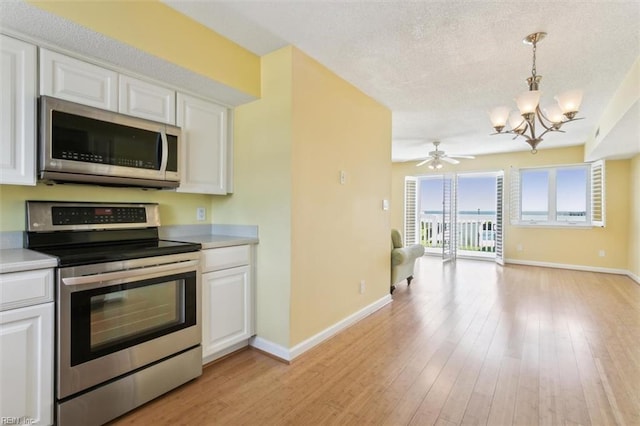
[{"x": 523, "y": 122}]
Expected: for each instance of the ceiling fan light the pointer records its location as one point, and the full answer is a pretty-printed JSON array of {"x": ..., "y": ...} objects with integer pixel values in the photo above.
[
  {"x": 528, "y": 101},
  {"x": 499, "y": 117},
  {"x": 569, "y": 102}
]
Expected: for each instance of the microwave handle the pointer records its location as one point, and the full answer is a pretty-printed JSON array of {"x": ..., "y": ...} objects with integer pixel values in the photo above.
[{"x": 165, "y": 151}]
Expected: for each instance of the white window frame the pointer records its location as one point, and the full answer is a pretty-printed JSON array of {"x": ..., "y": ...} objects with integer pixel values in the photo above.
[{"x": 595, "y": 200}]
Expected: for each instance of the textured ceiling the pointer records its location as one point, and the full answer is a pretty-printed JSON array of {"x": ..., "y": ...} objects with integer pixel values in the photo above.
[
  {"x": 439, "y": 66},
  {"x": 26, "y": 21}
]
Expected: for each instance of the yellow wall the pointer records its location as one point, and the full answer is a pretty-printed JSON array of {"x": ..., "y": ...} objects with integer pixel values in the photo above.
[
  {"x": 318, "y": 238},
  {"x": 340, "y": 234},
  {"x": 155, "y": 28},
  {"x": 551, "y": 245},
  {"x": 262, "y": 168},
  {"x": 175, "y": 209},
  {"x": 634, "y": 218}
]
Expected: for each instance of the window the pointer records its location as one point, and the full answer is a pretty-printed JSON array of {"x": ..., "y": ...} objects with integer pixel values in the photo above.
[{"x": 571, "y": 195}]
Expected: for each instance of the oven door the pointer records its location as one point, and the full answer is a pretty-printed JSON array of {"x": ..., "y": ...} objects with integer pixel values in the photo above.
[{"x": 116, "y": 317}]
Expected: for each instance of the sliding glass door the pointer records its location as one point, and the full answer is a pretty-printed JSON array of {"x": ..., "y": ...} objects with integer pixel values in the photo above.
[
  {"x": 449, "y": 218},
  {"x": 457, "y": 214}
]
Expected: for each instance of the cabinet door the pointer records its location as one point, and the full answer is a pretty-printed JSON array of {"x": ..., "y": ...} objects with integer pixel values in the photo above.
[
  {"x": 18, "y": 112},
  {"x": 146, "y": 100},
  {"x": 26, "y": 364},
  {"x": 77, "y": 81},
  {"x": 204, "y": 145},
  {"x": 226, "y": 309}
]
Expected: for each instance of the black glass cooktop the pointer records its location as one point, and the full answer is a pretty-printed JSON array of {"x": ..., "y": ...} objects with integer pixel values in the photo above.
[{"x": 84, "y": 255}]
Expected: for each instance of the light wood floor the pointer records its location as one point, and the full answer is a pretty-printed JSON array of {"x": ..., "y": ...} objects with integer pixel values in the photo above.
[{"x": 473, "y": 343}]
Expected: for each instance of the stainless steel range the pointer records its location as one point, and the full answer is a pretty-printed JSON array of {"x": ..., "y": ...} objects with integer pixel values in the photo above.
[{"x": 127, "y": 316}]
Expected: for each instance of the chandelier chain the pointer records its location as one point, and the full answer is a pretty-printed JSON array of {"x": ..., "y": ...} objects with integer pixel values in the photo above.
[{"x": 533, "y": 69}]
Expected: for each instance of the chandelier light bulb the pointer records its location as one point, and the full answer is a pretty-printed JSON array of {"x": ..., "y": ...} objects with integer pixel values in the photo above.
[
  {"x": 569, "y": 102},
  {"x": 517, "y": 123},
  {"x": 528, "y": 101},
  {"x": 499, "y": 117},
  {"x": 554, "y": 114}
]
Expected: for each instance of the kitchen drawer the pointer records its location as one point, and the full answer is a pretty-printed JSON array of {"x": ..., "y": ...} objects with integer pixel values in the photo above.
[
  {"x": 225, "y": 257},
  {"x": 18, "y": 289}
]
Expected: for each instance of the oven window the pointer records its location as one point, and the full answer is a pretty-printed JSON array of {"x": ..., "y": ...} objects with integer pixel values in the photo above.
[
  {"x": 124, "y": 314},
  {"x": 106, "y": 320}
]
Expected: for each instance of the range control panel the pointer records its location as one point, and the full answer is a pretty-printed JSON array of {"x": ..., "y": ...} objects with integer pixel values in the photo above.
[
  {"x": 48, "y": 216},
  {"x": 97, "y": 215}
]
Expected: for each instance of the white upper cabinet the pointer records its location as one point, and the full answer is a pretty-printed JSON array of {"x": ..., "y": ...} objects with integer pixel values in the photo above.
[
  {"x": 146, "y": 100},
  {"x": 17, "y": 112},
  {"x": 77, "y": 81},
  {"x": 204, "y": 145}
]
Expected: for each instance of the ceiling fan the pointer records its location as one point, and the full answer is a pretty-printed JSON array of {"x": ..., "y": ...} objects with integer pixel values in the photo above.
[{"x": 436, "y": 157}]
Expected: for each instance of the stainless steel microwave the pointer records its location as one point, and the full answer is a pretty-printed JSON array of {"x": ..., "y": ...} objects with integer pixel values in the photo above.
[{"x": 78, "y": 143}]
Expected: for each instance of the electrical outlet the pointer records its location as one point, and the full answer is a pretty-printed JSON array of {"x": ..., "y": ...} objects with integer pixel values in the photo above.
[
  {"x": 601, "y": 253},
  {"x": 343, "y": 177},
  {"x": 363, "y": 286},
  {"x": 519, "y": 247},
  {"x": 201, "y": 214}
]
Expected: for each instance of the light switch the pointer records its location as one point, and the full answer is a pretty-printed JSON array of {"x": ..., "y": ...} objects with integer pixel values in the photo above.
[
  {"x": 343, "y": 177},
  {"x": 385, "y": 204}
]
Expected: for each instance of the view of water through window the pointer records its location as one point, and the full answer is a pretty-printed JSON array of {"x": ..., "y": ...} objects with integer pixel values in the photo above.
[{"x": 476, "y": 215}]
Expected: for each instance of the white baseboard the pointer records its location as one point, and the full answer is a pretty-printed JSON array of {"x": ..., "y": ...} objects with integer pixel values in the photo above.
[
  {"x": 634, "y": 277},
  {"x": 288, "y": 354},
  {"x": 271, "y": 348},
  {"x": 568, "y": 266},
  {"x": 217, "y": 355}
]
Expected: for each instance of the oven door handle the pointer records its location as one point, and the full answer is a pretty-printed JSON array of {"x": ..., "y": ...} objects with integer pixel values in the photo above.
[{"x": 131, "y": 274}]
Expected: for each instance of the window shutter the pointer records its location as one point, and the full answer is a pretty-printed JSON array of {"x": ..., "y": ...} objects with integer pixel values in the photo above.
[
  {"x": 498, "y": 226},
  {"x": 598, "y": 208},
  {"x": 410, "y": 210},
  {"x": 514, "y": 195}
]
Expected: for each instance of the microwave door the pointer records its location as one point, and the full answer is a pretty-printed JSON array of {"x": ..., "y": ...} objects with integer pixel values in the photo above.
[{"x": 84, "y": 144}]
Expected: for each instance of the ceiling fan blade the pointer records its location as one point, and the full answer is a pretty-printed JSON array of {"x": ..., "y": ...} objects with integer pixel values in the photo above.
[
  {"x": 449, "y": 160},
  {"x": 423, "y": 162},
  {"x": 470, "y": 157}
]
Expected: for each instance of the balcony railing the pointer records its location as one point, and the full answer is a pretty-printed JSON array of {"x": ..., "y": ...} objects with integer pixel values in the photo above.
[{"x": 475, "y": 234}]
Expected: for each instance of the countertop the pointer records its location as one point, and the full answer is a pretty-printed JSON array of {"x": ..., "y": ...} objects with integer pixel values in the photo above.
[
  {"x": 19, "y": 259},
  {"x": 210, "y": 241}
]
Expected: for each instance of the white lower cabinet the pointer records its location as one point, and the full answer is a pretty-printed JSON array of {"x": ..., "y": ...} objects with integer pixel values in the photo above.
[
  {"x": 26, "y": 365},
  {"x": 227, "y": 301},
  {"x": 26, "y": 347},
  {"x": 226, "y": 319}
]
